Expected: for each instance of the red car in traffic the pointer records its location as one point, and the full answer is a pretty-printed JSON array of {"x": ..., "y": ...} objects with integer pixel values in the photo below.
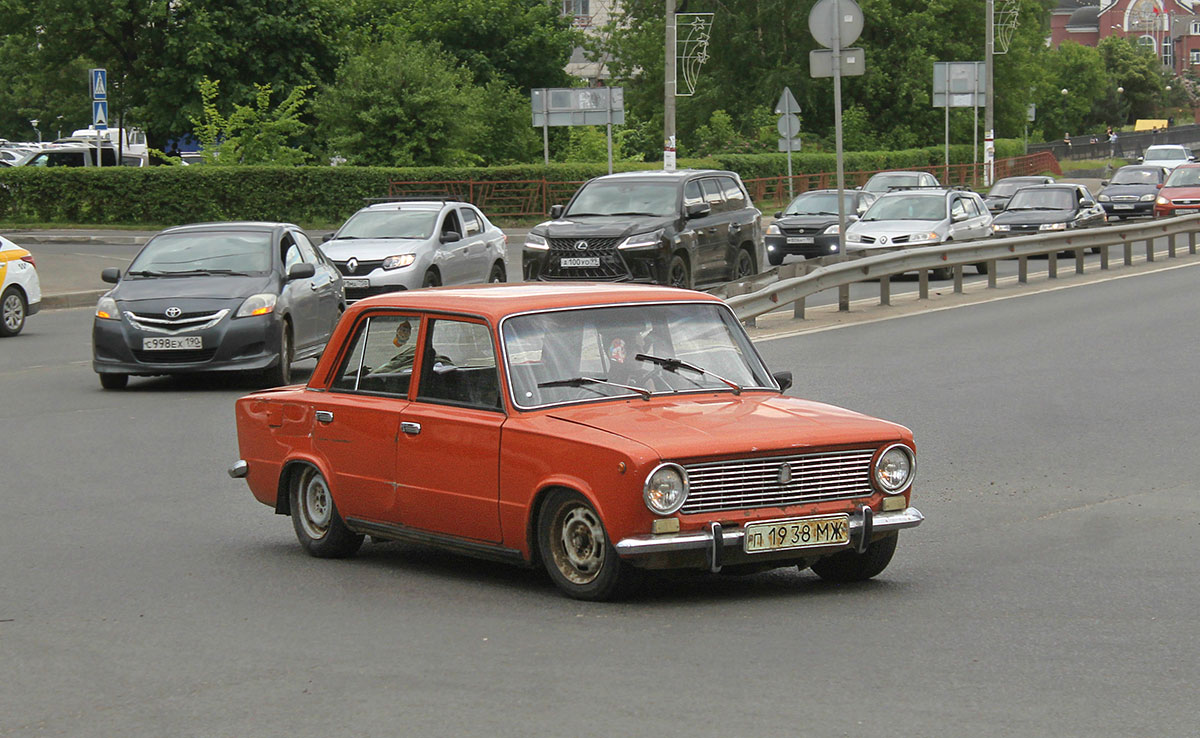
[{"x": 1180, "y": 193}]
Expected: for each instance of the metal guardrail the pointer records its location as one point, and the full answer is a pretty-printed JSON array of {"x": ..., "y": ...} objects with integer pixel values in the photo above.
[{"x": 791, "y": 284}]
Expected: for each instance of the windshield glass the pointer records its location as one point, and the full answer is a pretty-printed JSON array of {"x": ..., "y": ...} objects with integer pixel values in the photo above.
[
  {"x": 1137, "y": 176},
  {"x": 1184, "y": 177},
  {"x": 1165, "y": 154},
  {"x": 554, "y": 357},
  {"x": 389, "y": 224},
  {"x": 1043, "y": 200},
  {"x": 625, "y": 198},
  {"x": 819, "y": 203},
  {"x": 1006, "y": 188},
  {"x": 882, "y": 182},
  {"x": 908, "y": 207},
  {"x": 246, "y": 252}
]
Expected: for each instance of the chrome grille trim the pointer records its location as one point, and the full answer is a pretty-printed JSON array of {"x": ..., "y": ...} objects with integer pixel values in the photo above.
[
  {"x": 188, "y": 322},
  {"x": 738, "y": 484}
]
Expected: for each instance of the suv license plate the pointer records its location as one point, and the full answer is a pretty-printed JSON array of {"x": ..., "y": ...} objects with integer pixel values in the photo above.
[
  {"x": 782, "y": 535},
  {"x": 580, "y": 261},
  {"x": 799, "y": 239},
  {"x": 172, "y": 343}
]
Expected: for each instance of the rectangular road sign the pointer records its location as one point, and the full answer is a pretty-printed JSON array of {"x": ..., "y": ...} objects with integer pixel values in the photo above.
[
  {"x": 100, "y": 114},
  {"x": 99, "y": 83},
  {"x": 820, "y": 62},
  {"x": 577, "y": 106}
]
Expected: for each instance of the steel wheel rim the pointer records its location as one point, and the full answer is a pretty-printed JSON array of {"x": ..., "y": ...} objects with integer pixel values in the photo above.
[
  {"x": 316, "y": 506},
  {"x": 14, "y": 312},
  {"x": 580, "y": 545}
]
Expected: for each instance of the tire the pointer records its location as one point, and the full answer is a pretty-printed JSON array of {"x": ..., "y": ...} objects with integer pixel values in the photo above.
[
  {"x": 744, "y": 266},
  {"x": 852, "y": 566},
  {"x": 281, "y": 374},
  {"x": 497, "y": 275},
  {"x": 114, "y": 381},
  {"x": 319, "y": 527},
  {"x": 431, "y": 279},
  {"x": 775, "y": 259},
  {"x": 981, "y": 267},
  {"x": 1094, "y": 249},
  {"x": 576, "y": 552},
  {"x": 13, "y": 311},
  {"x": 678, "y": 274},
  {"x": 942, "y": 273}
]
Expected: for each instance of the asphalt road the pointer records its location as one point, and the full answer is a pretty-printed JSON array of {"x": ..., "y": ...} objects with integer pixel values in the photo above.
[{"x": 1051, "y": 591}]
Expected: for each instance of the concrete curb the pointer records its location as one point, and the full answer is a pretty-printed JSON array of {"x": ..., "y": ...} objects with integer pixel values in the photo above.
[
  {"x": 71, "y": 300},
  {"x": 116, "y": 240}
]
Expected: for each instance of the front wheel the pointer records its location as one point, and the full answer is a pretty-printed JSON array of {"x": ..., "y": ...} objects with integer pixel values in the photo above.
[
  {"x": 775, "y": 259},
  {"x": 281, "y": 374},
  {"x": 852, "y": 566},
  {"x": 318, "y": 525},
  {"x": 12, "y": 312},
  {"x": 114, "y": 381},
  {"x": 576, "y": 551},
  {"x": 431, "y": 279},
  {"x": 678, "y": 274},
  {"x": 941, "y": 273},
  {"x": 497, "y": 275},
  {"x": 981, "y": 267}
]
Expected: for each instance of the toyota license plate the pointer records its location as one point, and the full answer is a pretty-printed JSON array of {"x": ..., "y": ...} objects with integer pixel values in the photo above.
[
  {"x": 580, "y": 261},
  {"x": 799, "y": 239},
  {"x": 172, "y": 343},
  {"x": 783, "y": 535},
  {"x": 356, "y": 284}
]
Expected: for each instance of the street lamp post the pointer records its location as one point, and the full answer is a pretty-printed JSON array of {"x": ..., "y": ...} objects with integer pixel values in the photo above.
[
  {"x": 34, "y": 123},
  {"x": 1067, "y": 135}
]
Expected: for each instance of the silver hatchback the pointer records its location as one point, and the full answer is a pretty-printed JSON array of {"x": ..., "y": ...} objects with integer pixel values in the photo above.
[
  {"x": 409, "y": 244},
  {"x": 920, "y": 217}
]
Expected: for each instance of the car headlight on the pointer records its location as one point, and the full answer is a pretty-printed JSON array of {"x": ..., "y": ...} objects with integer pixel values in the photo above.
[
  {"x": 1147, "y": 198},
  {"x": 773, "y": 230},
  {"x": 1102, "y": 198},
  {"x": 895, "y": 468},
  {"x": 832, "y": 229},
  {"x": 1052, "y": 227},
  {"x": 107, "y": 308},
  {"x": 402, "y": 260},
  {"x": 666, "y": 489},
  {"x": 1000, "y": 228},
  {"x": 534, "y": 241},
  {"x": 642, "y": 240},
  {"x": 1162, "y": 201},
  {"x": 260, "y": 304}
]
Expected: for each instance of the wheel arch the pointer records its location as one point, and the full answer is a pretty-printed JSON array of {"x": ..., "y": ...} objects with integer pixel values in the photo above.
[
  {"x": 287, "y": 473},
  {"x": 539, "y": 502}
]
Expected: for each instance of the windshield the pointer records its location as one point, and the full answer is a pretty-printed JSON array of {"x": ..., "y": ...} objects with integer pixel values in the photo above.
[
  {"x": 247, "y": 252},
  {"x": 908, "y": 207},
  {"x": 580, "y": 355},
  {"x": 882, "y": 182},
  {"x": 625, "y": 198},
  {"x": 1007, "y": 188},
  {"x": 389, "y": 224},
  {"x": 1137, "y": 176},
  {"x": 819, "y": 203},
  {"x": 1165, "y": 154},
  {"x": 1043, "y": 200},
  {"x": 1184, "y": 177}
]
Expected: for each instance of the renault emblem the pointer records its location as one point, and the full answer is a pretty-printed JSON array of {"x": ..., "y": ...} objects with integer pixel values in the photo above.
[
  {"x": 352, "y": 265},
  {"x": 883, "y": 239},
  {"x": 581, "y": 245},
  {"x": 785, "y": 474},
  {"x": 173, "y": 312}
]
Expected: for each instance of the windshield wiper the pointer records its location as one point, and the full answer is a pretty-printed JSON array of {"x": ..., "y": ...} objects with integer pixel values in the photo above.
[
  {"x": 203, "y": 273},
  {"x": 632, "y": 212},
  {"x": 143, "y": 273},
  {"x": 674, "y": 365},
  {"x": 584, "y": 381}
]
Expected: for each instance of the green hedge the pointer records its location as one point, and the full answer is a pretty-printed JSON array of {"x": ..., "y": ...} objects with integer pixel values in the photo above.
[{"x": 166, "y": 195}]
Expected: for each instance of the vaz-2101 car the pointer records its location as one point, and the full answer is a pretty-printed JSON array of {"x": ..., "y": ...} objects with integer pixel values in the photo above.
[{"x": 595, "y": 430}]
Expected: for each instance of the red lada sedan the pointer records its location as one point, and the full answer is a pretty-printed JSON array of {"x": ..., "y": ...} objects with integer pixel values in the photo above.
[
  {"x": 595, "y": 430},
  {"x": 1180, "y": 193}
]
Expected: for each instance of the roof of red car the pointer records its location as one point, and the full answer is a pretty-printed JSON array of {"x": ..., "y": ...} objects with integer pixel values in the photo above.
[{"x": 497, "y": 300}]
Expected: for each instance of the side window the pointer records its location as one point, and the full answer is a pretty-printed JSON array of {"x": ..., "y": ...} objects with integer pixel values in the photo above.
[
  {"x": 973, "y": 209},
  {"x": 712, "y": 194},
  {"x": 64, "y": 159},
  {"x": 692, "y": 194},
  {"x": 451, "y": 223},
  {"x": 381, "y": 360},
  {"x": 471, "y": 224},
  {"x": 307, "y": 251},
  {"x": 734, "y": 196},
  {"x": 1085, "y": 197},
  {"x": 927, "y": 180},
  {"x": 957, "y": 208},
  {"x": 459, "y": 365},
  {"x": 291, "y": 252}
]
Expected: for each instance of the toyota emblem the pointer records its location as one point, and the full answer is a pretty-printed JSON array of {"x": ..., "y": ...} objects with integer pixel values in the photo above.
[
  {"x": 785, "y": 474},
  {"x": 352, "y": 265},
  {"x": 173, "y": 312},
  {"x": 581, "y": 246}
]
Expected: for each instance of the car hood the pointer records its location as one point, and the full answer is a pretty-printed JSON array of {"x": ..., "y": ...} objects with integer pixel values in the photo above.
[
  {"x": 342, "y": 249},
  {"x": 695, "y": 426},
  {"x": 809, "y": 221},
  {"x": 214, "y": 288},
  {"x": 1173, "y": 192},
  {"x": 605, "y": 226},
  {"x": 1034, "y": 217},
  {"x": 1129, "y": 189}
]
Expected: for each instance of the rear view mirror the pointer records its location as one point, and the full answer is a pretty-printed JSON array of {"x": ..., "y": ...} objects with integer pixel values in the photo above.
[
  {"x": 326, "y": 237},
  {"x": 112, "y": 275}
]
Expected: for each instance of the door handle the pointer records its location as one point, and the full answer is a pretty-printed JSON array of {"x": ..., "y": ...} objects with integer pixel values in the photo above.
[
  {"x": 411, "y": 429},
  {"x": 324, "y": 416}
]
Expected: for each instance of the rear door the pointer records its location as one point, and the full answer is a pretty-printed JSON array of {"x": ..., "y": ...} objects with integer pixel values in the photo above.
[
  {"x": 478, "y": 263},
  {"x": 712, "y": 233},
  {"x": 452, "y": 257}
]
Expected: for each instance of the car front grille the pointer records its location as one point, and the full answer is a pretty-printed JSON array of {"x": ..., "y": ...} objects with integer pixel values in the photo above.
[
  {"x": 886, "y": 239},
  {"x": 799, "y": 231},
  {"x": 738, "y": 484},
  {"x": 1185, "y": 201},
  {"x": 1124, "y": 198},
  {"x": 612, "y": 267},
  {"x": 361, "y": 268},
  {"x": 175, "y": 357},
  {"x": 160, "y": 323}
]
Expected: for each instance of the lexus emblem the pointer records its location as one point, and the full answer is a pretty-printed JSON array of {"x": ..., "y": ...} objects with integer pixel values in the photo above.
[
  {"x": 352, "y": 265},
  {"x": 581, "y": 246},
  {"x": 173, "y": 312},
  {"x": 785, "y": 474}
]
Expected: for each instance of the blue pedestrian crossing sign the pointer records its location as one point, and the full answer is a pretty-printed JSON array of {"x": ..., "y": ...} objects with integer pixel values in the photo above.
[
  {"x": 99, "y": 83},
  {"x": 100, "y": 114}
]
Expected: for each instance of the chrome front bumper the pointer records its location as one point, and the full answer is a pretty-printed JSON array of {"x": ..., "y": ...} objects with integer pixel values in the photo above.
[{"x": 714, "y": 539}]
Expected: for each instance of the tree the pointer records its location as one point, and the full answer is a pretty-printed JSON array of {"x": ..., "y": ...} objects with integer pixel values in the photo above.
[
  {"x": 1074, "y": 88},
  {"x": 1136, "y": 70},
  {"x": 254, "y": 134}
]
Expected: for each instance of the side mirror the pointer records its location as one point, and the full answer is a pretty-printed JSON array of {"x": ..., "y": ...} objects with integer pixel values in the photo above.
[
  {"x": 779, "y": 214},
  {"x": 1141, "y": 159},
  {"x": 1158, "y": 186},
  {"x": 556, "y": 211},
  {"x": 112, "y": 275},
  {"x": 1104, "y": 183},
  {"x": 698, "y": 210},
  {"x": 784, "y": 379},
  {"x": 449, "y": 236},
  {"x": 326, "y": 237},
  {"x": 301, "y": 271},
  {"x": 959, "y": 217}
]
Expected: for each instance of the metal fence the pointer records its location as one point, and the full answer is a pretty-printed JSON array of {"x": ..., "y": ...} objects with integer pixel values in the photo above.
[{"x": 1129, "y": 145}]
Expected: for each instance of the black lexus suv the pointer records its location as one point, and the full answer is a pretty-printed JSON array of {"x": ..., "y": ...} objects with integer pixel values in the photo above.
[{"x": 682, "y": 228}]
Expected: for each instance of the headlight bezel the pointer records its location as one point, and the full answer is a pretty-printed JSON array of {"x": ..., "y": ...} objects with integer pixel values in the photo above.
[
  {"x": 398, "y": 261},
  {"x": 645, "y": 240},
  {"x": 261, "y": 304},
  {"x": 648, "y": 488},
  {"x": 107, "y": 301},
  {"x": 877, "y": 464},
  {"x": 773, "y": 230},
  {"x": 536, "y": 241},
  {"x": 830, "y": 230}
]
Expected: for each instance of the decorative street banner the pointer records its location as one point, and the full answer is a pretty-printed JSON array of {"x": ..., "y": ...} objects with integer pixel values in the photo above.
[{"x": 692, "y": 31}]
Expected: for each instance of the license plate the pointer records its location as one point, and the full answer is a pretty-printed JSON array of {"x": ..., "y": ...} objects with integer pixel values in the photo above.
[
  {"x": 799, "y": 239},
  {"x": 1122, "y": 207},
  {"x": 356, "y": 284},
  {"x": 580, "y": 261},
  {"x": 783, "y": 535},
  {"x": 172, "y": 343}
]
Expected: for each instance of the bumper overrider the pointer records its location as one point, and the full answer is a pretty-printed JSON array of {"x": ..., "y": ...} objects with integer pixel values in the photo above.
[{"x": 717, "y": 546}]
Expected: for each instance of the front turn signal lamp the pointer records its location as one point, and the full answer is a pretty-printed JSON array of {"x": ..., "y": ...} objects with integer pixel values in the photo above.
[
  {"x": 106, "y": 308},
  {"x": 260, "y": 304}
]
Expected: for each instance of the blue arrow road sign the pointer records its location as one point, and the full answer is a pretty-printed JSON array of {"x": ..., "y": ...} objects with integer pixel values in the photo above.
[
  {"x": 100, "y": 114},
  {"x": 99, "y": 85}
]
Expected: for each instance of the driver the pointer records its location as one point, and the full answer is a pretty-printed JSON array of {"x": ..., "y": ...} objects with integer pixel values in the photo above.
[{"x": 407, "y": 351}]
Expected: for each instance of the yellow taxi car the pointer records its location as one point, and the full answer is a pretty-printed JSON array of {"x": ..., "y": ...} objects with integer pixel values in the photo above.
[{"x": 20, "y": 291}]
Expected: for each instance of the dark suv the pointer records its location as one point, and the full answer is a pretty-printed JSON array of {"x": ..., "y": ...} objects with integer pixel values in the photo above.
[{"x": 678, "y": 228}]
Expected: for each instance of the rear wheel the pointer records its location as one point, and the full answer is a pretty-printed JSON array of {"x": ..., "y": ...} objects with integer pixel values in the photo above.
[
  {"x": 678, "y": 274},
  {"x": 576, "y": 551},
  {"x": 852, "y": 566},
  {"x": 12, "y": 312},
  {"x": 114, "y": 381},
  {"x": 318, "y": 525}
]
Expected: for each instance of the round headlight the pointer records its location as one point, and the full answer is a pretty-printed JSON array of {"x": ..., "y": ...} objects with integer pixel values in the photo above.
[
  {"x": 894, "y": 469},
  {"x": 666, "y": 489}
]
